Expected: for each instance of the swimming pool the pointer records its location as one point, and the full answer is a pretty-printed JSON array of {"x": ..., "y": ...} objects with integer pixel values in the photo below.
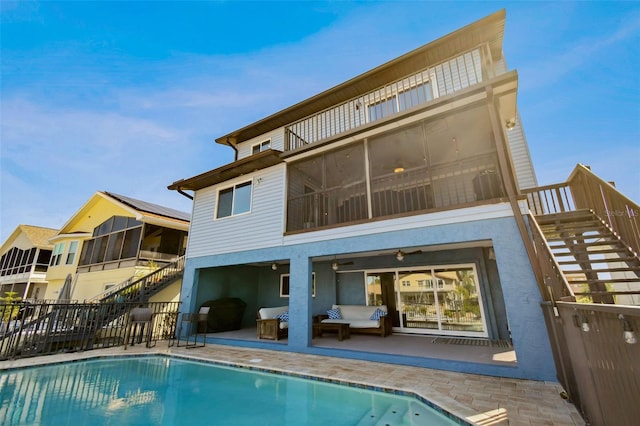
[{"x": 162, "y": 390}]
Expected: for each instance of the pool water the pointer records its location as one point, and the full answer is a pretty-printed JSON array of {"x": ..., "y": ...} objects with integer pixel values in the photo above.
[{"x": 172, "y": 391}]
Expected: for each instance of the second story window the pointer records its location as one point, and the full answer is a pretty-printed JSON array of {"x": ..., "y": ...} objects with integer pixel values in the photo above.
[
  {"x": 57, "y": 254},
  {"x": 71, "y": 255},
  {"x": 234, "y": 201},
  {"x": 259, "y": 147}
]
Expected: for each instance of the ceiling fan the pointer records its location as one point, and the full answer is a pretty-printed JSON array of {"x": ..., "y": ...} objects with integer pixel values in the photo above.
[
  {"x": 400, "y": 255},
  {"x": 335, "y": 264}
]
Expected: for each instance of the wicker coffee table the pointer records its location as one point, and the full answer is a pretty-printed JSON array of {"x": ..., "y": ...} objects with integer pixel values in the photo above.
[{"x": 341, "y": 328}]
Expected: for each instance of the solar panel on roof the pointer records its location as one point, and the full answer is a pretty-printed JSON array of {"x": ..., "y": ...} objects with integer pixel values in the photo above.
[{"x": 145, "y": 206}]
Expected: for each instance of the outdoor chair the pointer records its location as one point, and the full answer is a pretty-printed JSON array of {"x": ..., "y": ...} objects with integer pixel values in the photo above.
[
  {"x": 142, "y": 319},
  {"x": 196, "y": 322}
]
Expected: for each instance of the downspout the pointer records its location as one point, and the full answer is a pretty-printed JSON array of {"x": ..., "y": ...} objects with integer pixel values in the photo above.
[
  {"x": 235, "y": 157},
  {"x": 181, "y": 192},
  {"x": 508, "y": 181}
]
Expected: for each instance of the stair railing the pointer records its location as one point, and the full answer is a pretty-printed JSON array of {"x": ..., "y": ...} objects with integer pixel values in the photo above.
[
  {"x": 555, "y": 283},
  {"x": 556, "y": 198},
  {"x": 622, "y": 215},
  {"x": 133, "y": 290}
]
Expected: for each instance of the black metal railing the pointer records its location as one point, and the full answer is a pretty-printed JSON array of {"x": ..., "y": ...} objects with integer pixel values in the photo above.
[
  {"x": 29, "y": 329},
  {"x": 418, "y": 190}
]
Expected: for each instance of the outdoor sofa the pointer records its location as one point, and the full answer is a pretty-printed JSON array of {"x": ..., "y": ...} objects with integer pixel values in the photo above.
[
  {"x": 361, "y": 319},
  {"x": 273, "y": 323}
]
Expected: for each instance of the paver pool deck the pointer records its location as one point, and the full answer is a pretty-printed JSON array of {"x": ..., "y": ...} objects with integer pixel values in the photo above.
[{"x": 482, "y": 400}]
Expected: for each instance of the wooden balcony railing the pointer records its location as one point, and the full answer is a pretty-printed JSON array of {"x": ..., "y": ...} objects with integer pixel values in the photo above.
[
  {"x": 430, "y": 83},
  {"x": 555, "y": 198}
]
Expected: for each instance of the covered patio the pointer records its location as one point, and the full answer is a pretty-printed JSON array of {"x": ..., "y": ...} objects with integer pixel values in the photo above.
[{"x": 396, "y": 348}]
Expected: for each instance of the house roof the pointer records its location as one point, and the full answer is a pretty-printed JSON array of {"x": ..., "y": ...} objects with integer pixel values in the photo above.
[
  {"x": 146, "y": 207},
  {"x": 36, "y": 235},
  {"x": 144, "y": 211},
  {"x": 243, "y": 166},
  {"x": 489, "y": 29}
]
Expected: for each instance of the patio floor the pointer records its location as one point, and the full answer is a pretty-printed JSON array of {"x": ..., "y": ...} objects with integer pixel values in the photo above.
[
  {"x": 482, "y": 400},
  {"x": 396, "y": 344}
]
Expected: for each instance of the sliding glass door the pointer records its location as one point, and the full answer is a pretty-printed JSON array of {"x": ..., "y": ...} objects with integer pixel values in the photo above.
[{"x": 430, "y": 300}]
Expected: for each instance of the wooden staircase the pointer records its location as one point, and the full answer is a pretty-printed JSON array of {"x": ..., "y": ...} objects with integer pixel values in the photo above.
[{"x": 594, "y": 260}]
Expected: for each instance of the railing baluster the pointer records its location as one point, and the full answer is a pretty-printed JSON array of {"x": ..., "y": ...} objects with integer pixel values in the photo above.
[{"x": 337, "y": 119}]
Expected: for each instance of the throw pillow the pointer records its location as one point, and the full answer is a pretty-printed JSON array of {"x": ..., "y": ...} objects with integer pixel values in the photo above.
[
  {"x": 377, "y": 314},
  {"x": 284, "y": 317},
  {"x": 334, "y": 313}
]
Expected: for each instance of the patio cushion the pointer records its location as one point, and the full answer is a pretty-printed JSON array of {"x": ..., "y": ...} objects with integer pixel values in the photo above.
[
  {"x": 270, "y": 313},
  {"x": 334, "y": 314},
  {"x": 358, "y": 312},
  {"x": 361, "y": 318},
  {"x": 377, "y": 314},
  {"x": 283, "y": 316}
]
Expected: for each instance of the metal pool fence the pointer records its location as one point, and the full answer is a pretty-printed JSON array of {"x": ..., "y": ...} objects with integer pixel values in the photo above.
[{"x": 33, "y": 329}]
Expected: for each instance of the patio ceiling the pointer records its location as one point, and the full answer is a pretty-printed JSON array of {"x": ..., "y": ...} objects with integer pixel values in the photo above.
[{"x": 383, "y": 252}]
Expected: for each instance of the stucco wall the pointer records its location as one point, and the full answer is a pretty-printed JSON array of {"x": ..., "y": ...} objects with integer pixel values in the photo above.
[{"x": 517, "y": 286}]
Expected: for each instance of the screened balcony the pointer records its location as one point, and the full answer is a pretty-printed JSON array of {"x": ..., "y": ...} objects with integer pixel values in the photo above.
[
  {"x": 398, "y": 96},
  {"x": 430, "y": 165},
  {"x": 122, "y": 242}
]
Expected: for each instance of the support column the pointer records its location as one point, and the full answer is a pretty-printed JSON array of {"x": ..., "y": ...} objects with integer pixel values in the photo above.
[{"x": 300, "y": 302}]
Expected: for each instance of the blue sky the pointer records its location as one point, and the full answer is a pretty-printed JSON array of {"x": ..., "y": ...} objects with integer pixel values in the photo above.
[{"x": 128, "y": 97}]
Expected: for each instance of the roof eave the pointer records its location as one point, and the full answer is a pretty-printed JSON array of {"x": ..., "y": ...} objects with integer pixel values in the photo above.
[
  {"x": 229, "y": 171},
  {"x": 491, "y": 28}
]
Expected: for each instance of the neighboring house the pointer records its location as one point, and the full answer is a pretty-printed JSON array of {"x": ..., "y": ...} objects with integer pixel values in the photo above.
[
  {"x": 398, "y": 187},
  {"x": 112, "y": 239},
  {"x": 25, "y": 256}
]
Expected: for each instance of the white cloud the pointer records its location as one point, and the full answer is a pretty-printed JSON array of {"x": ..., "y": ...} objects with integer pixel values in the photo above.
[{"x": 50, "y": 156}]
